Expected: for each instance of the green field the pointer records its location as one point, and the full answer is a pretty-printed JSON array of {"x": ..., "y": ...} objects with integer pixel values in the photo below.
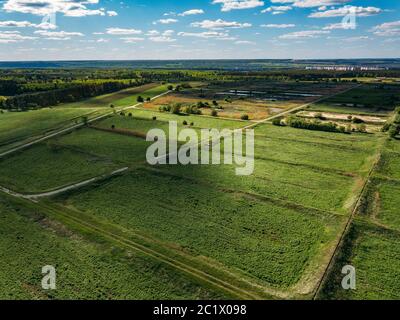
[
  {"x": 202, "y": 220},
  {"x": 376, "y": 99},
  {"x": 47, "y": 166},
  {"x": 16, "y": 126},
  {"x": 375, "y": 253},
  {"x": 86, "y": 268}
]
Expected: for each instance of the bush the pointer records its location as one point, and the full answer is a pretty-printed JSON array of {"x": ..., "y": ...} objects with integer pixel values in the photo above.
[
  {"x": 296, "y": 122},
  {"x": 214, "y": 113},
  {"x": 170, "y": 87},
  {"x": 358, "y": 120},
  {"x": 129, "y": 114},
  {"x": 113, "y": 126},
  {"x": 185, "y": 123},
  {"x": 319, "y": 116},
  {"x": 154, "y": 118},
  {"x": 176, "y": 108},
  {"x": 192, "y": 124},
  {"x": 140, "y": 99},
  {"x": 244, "y": 117},
  {"x": 277, "y": 122},
  {"x": 394, "y": 131}
]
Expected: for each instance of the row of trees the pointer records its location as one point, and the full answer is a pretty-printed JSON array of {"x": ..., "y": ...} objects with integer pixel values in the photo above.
[{"x": 55, "y": 97}]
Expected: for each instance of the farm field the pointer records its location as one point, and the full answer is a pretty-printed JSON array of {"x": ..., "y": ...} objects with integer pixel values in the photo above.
[
  {"x": 53, "y": 167},
  {"x": 212, "y": 224},
  {"x": 258, "y": 101},
  {"x": 373, "y": 242},
  {"x": 18, "y": 127},
  {"x": 375, "y": 253},
  {"x": 88, "y": 269},
  {"x": 368, "y": 99},
  {"x": 315, "y": 200},
  {"x": 289, "y": 182}
]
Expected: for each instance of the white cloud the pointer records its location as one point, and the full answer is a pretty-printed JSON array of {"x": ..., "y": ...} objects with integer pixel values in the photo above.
[
  {"x": 112, "y": 13},
  {"x": 13, "y": 37},
  {"x": 58, "y": 35},
  {"x": 121, "y": 31},
  {"x": 278, "y": 26},
  {"x": 240, "y": 42},
  {"x": 340, "y": 25},
  {"x": 162, "y": 39},
  {"x": 26, "y": 24},
  {"x": 228, "y": 5},
  {"x": 387, "y": 29},
  {"x": 312, "y": 3},
  {"x": 276, "y": 9},
  {"x": 220, "y": 24},
  {"x": 71, "y": 8},
  {"x": 208, "y": 35},
  {"x": 344, "y": 11},
  {"x": 166, "y": 21},
  {"x": 132, "y": 39},
  {"x": 191, "y": 12},
  {"x": 304, "y": 34}
]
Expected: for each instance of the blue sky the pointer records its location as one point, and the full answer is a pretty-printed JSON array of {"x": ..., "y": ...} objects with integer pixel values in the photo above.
[{"x": 198, "y": 29}]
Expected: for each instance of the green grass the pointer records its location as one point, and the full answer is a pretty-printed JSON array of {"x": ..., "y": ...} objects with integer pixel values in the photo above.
[
  {"x": 375, "y": 253},
  {"x": 16, "y": 126},
  {"x": 86, "y": 269},
  {"x": 122, "y": 98},
  {"x": 46, "y": 167},
  {"x": 198, "y": 121},
  {"x": 335, "y": 108},
  {"x": 264, "y": 240},
  {"x": 324, "y": 150},
  {"x": 126, "y": 150}
]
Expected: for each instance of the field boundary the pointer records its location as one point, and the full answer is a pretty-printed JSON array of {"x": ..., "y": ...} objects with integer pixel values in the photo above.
[{"x": 348, "y": 224}]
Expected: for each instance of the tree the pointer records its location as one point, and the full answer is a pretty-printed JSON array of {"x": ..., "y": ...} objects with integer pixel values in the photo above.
[
  {"x": 176, "y": 108},
  {"x": 214, "y": 113},
  {"x": 244, "y": 117},
  {"x": 170, "y": 87},
  {"x": 140, "y": 99}
]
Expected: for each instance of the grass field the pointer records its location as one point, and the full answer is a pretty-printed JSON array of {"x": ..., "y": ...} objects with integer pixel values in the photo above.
[
  {"x": 207, "y": 211},
  {"x": 202, "y": 220},
  {"x": 19, "y": 127},
  {"x": 122, "y": 98},
  {"x": 372, "y": 244},
  {"x": 16, "y": 126},
  {"x": 376, "y": 99},
  {"x": 375, "y": 253},
  {"x": 86, "y": 268},
  {"x": 47, "y": 166}
]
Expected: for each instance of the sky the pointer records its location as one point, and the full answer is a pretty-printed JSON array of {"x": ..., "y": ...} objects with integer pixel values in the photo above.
[{"x": 198, "y": 29}]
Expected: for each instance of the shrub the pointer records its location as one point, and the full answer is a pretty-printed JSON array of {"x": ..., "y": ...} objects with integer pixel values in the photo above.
[
  {"x": 170, "y": 87},
  {"x": 319, "y": 116},
  {"x": 113, "y": 126},
  {"x": 358, "y": 120},
  {"x": 140, "y": 99},
  {"x": 154, "y": 118},
  {"x": 244, "y": 117},
  {"x": 129, "y": 114},
  {"x": 192, "y": 124},
  {"x": 214, "y": 113},
  {"x": 176, "y": 108},
  {"x": 277, "y": 122},
  {"x": 185, "y": 123},
  {"x": 296, "y": 122}
]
